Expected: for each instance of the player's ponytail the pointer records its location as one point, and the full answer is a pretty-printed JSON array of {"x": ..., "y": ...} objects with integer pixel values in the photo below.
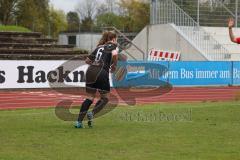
[
  {"x": 104, "y": 38},
  {"x": 111, "y": 35}
]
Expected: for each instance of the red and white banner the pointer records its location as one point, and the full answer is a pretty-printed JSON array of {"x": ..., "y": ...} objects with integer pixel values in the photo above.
[{"x": 159, "y": 55}]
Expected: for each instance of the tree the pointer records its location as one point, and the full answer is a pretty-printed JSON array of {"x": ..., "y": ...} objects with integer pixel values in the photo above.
[
  {"x": 111, "y": 5},
  {"x": 73, "y": 21},
  {"x": 87, "y": 25},
  {"x": 137, "y": 14},
  {"x": 7, "y": 11},
  {"x": 102, "y": 9},
  {"x": 110, "y": 19},
  {"x": 57, "y": 22},
  {"x": 87, "y": 10},
  {"x": 34, "y": 14}
]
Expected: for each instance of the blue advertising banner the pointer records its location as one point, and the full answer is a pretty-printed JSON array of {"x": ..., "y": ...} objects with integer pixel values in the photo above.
[
  {"x": 142, "y": 74},
  {"x": 200, "y": 73},
  {"x": 179, "y": 74},
  {"x": 236, "y": 73}
]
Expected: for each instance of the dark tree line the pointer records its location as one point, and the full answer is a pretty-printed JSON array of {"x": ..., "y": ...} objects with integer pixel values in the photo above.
[
  {"x": 36, "y": 15},
  {"x": 90, "y": 15},
  {"x": 126, "y": 15}
]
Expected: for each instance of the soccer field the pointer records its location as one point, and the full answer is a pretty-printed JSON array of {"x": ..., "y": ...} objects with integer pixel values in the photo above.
[{"x": 203, "y": 131}]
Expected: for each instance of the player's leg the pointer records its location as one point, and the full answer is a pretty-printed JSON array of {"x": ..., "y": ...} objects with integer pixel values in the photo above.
[
  {"x": 103, "y": 86},
  {"x": 101, "y": 103},
  {"x": 91, "y": 89},
  {"x": 85, "y": 106}
]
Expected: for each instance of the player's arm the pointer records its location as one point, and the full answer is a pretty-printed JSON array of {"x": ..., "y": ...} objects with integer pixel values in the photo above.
[
  {"x": 90, "y": 58},
  {"x": 88, "y": 61},
  {"x": 231, "y": 35},
  {"x": 114, "y": 60}
]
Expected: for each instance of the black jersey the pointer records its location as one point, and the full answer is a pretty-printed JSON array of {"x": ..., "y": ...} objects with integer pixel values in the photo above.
[{"x": 102, "y": 56}]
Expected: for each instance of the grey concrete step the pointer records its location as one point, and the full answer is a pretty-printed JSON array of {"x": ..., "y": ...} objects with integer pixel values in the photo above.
[
  {"x": 21, "y": 34},
  {"x": 27, "y": 40},
  {"x": 32, "y": 45},
  {"x": 40, "y": 52}
]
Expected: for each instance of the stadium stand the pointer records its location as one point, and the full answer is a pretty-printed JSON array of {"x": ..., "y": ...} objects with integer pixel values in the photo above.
[
  {"x": 33, "y": 45},
  {"x": 221, "y": 34},
  {"x": 198, "y": 33}
]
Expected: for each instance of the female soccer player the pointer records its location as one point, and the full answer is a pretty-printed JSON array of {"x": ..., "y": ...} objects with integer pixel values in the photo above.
[
  {"x": 231, "y": 24},
  {"x": 102, "y": 60}
]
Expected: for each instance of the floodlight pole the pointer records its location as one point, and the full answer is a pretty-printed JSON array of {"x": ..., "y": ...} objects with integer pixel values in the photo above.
[
  {"x": 198, "y": 12},
  {"x": 236, "y": 14},
  {"x": 153, "y": 12}
]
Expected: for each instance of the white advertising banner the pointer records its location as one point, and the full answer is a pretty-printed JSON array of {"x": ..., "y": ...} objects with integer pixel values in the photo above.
[{"x": 41, "y": 74}]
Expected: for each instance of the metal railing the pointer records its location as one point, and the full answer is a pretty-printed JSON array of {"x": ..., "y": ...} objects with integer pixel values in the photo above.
[
  {"x": 211, "y": 12},
  {"x": 167, "y": 11},
  {"x": 125, "y": 43}
]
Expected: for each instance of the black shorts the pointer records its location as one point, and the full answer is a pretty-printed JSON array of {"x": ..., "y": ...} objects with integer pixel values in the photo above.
[{"x": 97, "y": 79}]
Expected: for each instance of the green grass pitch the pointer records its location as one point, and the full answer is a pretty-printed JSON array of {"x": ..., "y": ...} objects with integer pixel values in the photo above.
[{"x": 198, "y": 131}]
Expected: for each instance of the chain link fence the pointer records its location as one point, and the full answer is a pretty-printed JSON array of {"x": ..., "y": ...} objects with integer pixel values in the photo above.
[
  {"x": 169, "y": 12},
  {"x": 211, "y": 12}
]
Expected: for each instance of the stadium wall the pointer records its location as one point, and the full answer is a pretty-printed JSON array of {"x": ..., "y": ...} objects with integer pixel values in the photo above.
[
  {"x": 86, "y": 41},
  {"x": 164, "y": 37},
  {"x": 181, "y": 74},
  {"x": 67, "y": 74}
]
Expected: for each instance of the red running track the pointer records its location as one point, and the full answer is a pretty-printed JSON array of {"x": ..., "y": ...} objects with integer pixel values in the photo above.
[{"x": 50, "y": 98}]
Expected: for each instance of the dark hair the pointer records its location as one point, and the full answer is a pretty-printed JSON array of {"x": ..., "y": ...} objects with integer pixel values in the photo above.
[
  {"x": 111, "y": 35},
  {"x": 106, "y": 37}
]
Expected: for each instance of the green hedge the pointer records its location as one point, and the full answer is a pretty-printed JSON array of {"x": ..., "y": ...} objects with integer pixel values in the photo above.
[{"x": 4, "y": 28}]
